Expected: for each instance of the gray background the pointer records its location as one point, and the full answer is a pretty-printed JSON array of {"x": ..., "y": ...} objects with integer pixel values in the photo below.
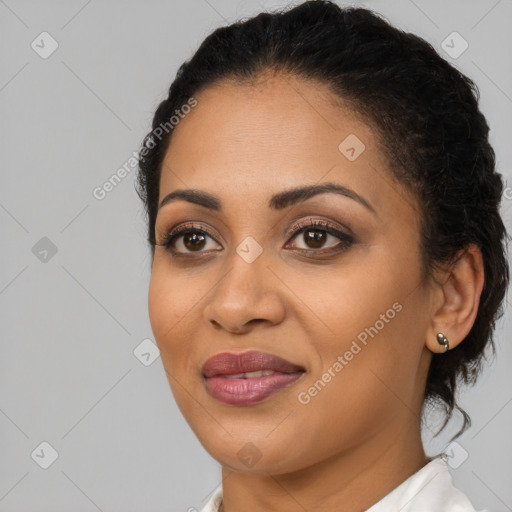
[{"x": 71, "y": 321}]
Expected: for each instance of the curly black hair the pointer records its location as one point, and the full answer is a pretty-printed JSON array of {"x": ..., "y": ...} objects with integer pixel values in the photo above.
[{"x": 429, "y": 128}]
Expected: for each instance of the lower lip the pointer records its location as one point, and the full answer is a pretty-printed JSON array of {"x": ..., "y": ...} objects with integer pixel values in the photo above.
[{"x": 248, "y": 391}]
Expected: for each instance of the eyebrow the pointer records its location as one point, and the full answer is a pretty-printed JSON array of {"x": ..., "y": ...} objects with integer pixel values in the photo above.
[{"x": 278, "y": 201}]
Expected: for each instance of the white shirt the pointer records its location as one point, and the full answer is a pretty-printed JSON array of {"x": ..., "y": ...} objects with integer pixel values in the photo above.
[{"x": 428, "y": 490}]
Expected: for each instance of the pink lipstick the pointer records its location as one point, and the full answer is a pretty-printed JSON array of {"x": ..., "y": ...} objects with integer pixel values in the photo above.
[{"x": 248, "y": 377}]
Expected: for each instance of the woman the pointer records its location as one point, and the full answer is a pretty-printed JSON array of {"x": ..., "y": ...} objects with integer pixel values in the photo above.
[{"x": 328, "y": 257}]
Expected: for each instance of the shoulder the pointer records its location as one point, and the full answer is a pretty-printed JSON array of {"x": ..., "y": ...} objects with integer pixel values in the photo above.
[
  {"x": 430, "y": 489},
  {"x": 213, "y": 503}
]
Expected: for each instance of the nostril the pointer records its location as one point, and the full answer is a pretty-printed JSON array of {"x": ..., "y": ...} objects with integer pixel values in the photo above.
[
  {"x": 257, "y": 320},
  {"x": 216, "y": 324}
]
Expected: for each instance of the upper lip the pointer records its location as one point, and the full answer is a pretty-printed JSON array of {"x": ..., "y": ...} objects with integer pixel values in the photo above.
[{"x": 228, "y": 363}]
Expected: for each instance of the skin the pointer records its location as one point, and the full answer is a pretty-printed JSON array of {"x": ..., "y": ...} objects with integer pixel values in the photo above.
[{"x": 359, "y": 437}]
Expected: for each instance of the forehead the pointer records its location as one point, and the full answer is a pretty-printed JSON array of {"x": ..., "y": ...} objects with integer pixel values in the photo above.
[
  {"x": 244, "y": 142},
  {"x": 277, "y": 114}
]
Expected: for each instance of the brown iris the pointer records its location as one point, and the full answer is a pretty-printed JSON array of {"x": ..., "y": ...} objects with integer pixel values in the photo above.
[
  {"x": 196, "y": 241},
  {"x": 315, "y": 237}
]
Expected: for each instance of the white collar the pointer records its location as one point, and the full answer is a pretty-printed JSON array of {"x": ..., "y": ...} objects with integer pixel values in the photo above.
[{"x": 428, "y": 490}]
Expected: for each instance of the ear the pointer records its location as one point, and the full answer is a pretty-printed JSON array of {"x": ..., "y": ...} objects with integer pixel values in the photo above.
[{"x": 456, "y": 298}]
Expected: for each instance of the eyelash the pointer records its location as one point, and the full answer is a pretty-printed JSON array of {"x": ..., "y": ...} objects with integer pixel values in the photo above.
[{"x": 345, "y": 243}]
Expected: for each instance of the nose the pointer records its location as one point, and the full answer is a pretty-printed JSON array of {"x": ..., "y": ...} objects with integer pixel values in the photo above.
[{"x": 246, "y": 295}]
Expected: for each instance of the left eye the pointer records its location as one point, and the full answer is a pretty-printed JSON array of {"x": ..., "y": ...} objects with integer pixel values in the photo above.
[{"x": 315, "y": 236}]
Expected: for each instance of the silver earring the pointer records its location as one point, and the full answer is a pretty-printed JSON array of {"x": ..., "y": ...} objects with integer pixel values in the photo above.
[{"x": 443, "y": 340}]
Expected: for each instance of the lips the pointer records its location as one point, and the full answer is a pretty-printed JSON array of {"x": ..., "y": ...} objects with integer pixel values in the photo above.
[
  {"x": 228, "y": 363},
  {"x": 248, "y": 378}
]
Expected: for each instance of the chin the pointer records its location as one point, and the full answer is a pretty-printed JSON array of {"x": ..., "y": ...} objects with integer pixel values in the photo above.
[{"x": 261, "y": 455}]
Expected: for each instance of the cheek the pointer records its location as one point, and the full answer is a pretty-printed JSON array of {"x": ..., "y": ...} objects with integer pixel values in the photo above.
[
  {"x": 171, "y": 297},
  {"x": 162, "y": 314},
  {"x": 361, "y": 388},
  {"x": 373, "y": 345},
  {"x": 349, "y": 300},
  {"x": 171, "y": 316},
  {"x": 175, "y": 304},
  {"x": 167, "y": 314}
]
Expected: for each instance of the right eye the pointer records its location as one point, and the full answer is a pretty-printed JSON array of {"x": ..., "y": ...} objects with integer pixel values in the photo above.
[{"x": 186, "y": 239}]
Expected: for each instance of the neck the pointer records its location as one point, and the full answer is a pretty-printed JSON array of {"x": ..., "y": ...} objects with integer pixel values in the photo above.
[{"x": 353, "y": 480}]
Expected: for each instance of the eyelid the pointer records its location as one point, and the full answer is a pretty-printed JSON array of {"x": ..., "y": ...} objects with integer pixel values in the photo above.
[{"x": 318, "y": 221}]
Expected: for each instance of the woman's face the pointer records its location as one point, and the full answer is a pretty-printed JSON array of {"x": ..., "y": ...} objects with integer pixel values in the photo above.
[{"x": 329, "y": 282}]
